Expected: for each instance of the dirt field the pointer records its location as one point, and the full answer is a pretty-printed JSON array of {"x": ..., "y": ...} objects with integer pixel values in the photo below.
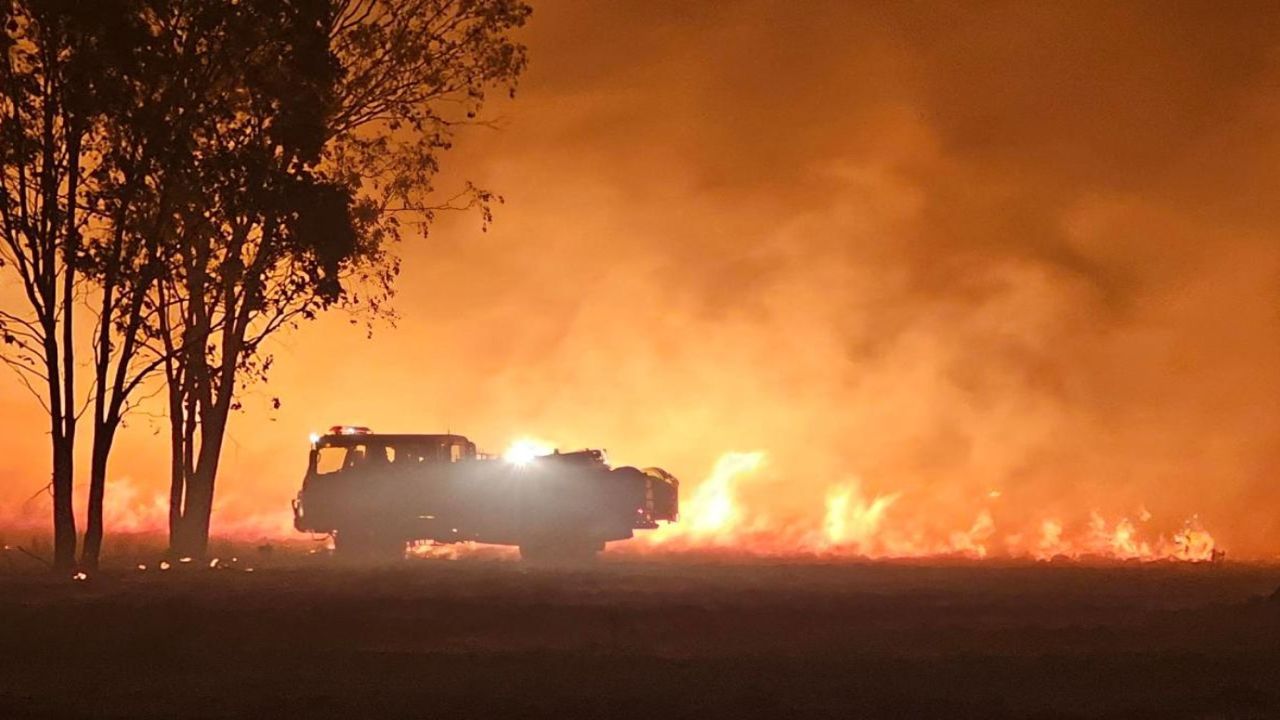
[{"x": 301, "y": 637}]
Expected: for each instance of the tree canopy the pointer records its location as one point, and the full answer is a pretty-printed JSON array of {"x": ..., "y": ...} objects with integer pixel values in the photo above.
[{"x": 201, "y": 175}]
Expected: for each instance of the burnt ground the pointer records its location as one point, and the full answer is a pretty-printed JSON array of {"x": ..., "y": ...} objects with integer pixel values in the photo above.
[{"x": 307, "y": 638}]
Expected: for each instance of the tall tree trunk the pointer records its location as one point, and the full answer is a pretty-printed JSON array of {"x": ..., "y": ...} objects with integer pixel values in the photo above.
[
  {"x": 182, "y": 427},
  {"x": 198, "y": 509},
  {"x": 177, "y": 468},
  {"x": 196, "y": 514},
  {"x": 212, "y": 401},
  {"x": 103, "y": 437},
  {"x": 63, "y": 434},
  {"x": 215, "y": 409},
  {"x": 65, "y": 551},
  {"x": 102, "y": 433},
  {"x": 64, "y": 519}
]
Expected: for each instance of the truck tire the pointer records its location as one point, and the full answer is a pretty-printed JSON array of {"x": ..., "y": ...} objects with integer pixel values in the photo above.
[
  {"x": 561, "y": 551},
  {"x": 367, "y": 545}
]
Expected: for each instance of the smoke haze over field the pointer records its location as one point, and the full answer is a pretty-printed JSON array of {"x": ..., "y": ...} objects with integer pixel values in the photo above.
[{"x": 936, "y": 249}]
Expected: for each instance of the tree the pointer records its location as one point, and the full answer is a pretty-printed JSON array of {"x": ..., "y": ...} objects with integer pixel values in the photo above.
[
  {"x": 336, "y": 133},
  {"x": 150, "y": 135},
  {"x": 261, "y": 229},
  {"x": 59, "y": 72},
  {"x": 104, "y": 107}
]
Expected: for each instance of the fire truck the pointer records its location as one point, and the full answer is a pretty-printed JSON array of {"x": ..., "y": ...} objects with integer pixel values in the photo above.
[{"x": 375, "y": 493}]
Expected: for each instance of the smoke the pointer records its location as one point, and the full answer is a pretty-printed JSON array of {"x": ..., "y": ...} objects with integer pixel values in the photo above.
[
  {"x": 1004, "y": 264},
  {"x": 1025, "y": 249}
]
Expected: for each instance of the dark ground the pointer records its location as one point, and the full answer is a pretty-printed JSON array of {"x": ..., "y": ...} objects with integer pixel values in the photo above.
[{"x": 305, "y": 638}]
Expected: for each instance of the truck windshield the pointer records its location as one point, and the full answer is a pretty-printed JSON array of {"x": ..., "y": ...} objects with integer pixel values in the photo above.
[{"x": 332, "y": 458}]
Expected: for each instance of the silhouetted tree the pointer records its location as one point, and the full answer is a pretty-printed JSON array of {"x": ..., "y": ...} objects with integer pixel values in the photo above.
[
  {"x": 345, "y": 109},
  {"x": 106, "y": 107},
  {"x": 63, "y": 66},
  {"x": 152, "y": 135}
]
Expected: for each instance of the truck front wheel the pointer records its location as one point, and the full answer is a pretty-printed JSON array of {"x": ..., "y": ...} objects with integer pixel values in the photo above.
[{"x": 367, "y": 545}]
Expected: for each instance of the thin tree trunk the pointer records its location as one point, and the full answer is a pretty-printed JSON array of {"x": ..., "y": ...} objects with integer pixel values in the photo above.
[
  {"x": 196, "y": 515},
  {"x": 103, "y": 438},
  {"x": 62, "y": 432},
  {"x": 102, "y": 432},
  {"x": 198, "y": 510},
  {"x": 65, "y": 551},
  {"x": 177, "y": 468},
  {"x": 181, "y": 441},
  {"x": 64, "y": 519}
]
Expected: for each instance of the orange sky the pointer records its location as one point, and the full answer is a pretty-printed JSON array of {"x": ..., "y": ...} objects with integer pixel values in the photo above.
[{"x": 944, "y": 248}]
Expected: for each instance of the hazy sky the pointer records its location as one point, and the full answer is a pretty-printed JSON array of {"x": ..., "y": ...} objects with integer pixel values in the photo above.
[{"x": 946, "y": 248}]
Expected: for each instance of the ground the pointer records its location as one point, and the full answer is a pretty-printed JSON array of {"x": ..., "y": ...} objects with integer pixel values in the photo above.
[{"x": 305, "y": 637}]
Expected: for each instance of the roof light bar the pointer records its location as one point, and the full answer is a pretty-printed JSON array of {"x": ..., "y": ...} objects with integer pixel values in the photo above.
[{"x": 349, "y": 430}]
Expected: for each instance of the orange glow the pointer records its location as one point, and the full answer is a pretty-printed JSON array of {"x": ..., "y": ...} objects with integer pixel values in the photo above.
[
  {"x": 983, "y": 289},
  {"x": 719, "y": 515},
  {"x": 882, "y": 527},
  {"x": 524, "y": 450}
]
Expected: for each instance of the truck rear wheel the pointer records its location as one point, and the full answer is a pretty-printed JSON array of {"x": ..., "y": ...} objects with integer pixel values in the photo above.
[
  {"x": 367, "y": 545},
  {"x": 560, "y": 551}
]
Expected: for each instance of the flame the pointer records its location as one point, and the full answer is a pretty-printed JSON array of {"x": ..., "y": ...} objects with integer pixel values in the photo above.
[
  {"x": 856, "y": 524},
  {"x": 852, "y": 522},
  {"x": 1050, "y": 539},
  {"x": 713, "y": 515},
  {"x": 972, "y": 542},
  {"x": 1194, "y": 542},
  {"x": 713, "y": 510}
]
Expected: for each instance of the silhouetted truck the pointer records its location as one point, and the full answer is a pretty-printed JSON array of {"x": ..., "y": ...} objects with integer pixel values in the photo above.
[{"x": 376, "y": 492}]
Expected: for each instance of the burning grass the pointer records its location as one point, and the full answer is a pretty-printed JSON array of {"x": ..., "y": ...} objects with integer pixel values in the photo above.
[
  {"x": 719, "y": 520},
  {"x": 853, "y": 524}
]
